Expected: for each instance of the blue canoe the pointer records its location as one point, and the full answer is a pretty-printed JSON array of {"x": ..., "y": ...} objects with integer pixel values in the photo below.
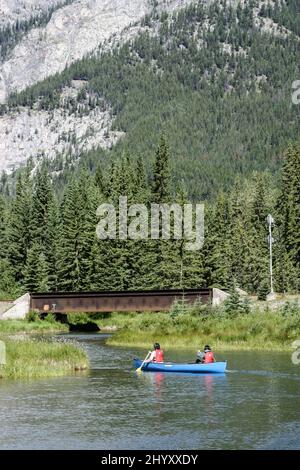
[{"x": 212, "y": 368}]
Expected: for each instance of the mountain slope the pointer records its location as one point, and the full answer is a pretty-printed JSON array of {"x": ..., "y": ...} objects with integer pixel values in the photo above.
[
  {"x": 20, "y": 10},
  {"x": 73, "y": 29},
  {"x": 217, "y": 78}
]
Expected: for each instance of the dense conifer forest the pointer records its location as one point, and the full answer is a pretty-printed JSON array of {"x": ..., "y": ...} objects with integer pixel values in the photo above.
[
  {"x": 205, "y": 105},
  {"x": 51, "y": 244}
]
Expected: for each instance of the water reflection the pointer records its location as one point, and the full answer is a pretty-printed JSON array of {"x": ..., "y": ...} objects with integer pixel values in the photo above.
[
  {"x": 208, "y": 382},
  {"x": 200, "y": 390},
  {"x": 153, "y": 379},
  {"x": 258, "y": 406},
  {"x": 157, "y": 381}
]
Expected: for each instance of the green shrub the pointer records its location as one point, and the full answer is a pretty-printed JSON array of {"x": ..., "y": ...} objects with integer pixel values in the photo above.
[
  {"x": 50, "y": 318},
  {"x": 179, "y": 306},
  {"x": 290, "y": 308},
  {"x": 233, "y": 304},
  {"x": 263, "y": 290},
  {"x": 79, "y": 317},
  {"x": 32, "y": 317}
]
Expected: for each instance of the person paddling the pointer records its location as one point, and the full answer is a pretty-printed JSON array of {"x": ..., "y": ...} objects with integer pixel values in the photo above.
[
  {"x": 200, "y": 357},
  {"x": 205, "y": 357},
  {"x": 208, "y": 355},
  {"x": 157, "y": 355}
]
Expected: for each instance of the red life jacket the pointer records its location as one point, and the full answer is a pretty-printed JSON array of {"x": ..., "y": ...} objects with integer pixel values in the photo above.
[
  {"x": 208, "y": 357},
  {"x": 159, "y": 355}
]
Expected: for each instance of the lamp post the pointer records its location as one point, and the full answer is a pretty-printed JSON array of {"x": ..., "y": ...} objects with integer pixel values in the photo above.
[{"x": 270, "y": 221}]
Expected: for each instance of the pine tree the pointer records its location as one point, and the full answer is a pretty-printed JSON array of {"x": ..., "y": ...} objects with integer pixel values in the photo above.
[
  {"x": 112, "y": 266},
  {"x": 69, "y": 264},
  {"x": 288, "y": 211},
  {"x": 263, "y": 290},
  {"x": 142, "y": 190},
  {"x": 236, "y": 233},
  {"x": 53, "y": 243},
  {"x": 42, "y": 273},
  {"x": 139, "y": 249},
  {"x": 42, "y": 202},
  {"x": 256, "y": 233},
  {"x": 31, "y": 271},
  {"x": 161, "y": 191},
  {"x": 233, "y": 304},
  {"x": 8, "y": 286},
  {"x": 99, "y": 181},
  {"x": 3, "y": 234},
  {"x": 159, "y": 258},
  {"x": 216, "y": 245},
  {"x": 19, "y": 235},
  {"x": 87, "y": 198}
]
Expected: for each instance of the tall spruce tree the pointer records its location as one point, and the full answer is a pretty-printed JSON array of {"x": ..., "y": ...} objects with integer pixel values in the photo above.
[
  {"x": 216, "y": 245},
  {"x": 42, "y": 274},
  {"x": 71, "y": 223},
  {"x": 257, "y": 256},
  {"x": 288, "y": 213},
  {"x": 32, "y": 271},
  {"x": 88, "y": 200},
  {"x": 112, "y": 262},
  {"x": 19, "y": 235},
  {"x": 3, "y": 235},
  {"x": 159, "y": 258},
  {"x": 42, "y": 202},
  {"x": 161, "y": 191},
  {"x": 53, "y": 243}
]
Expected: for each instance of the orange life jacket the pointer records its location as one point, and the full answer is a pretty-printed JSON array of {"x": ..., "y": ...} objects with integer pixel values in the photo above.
[
  {"x": 208, "y": 357},
  {"x": 159, "y": 355}
]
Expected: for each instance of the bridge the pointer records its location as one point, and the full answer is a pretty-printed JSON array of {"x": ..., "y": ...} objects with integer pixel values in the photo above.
[{"x": 117, "y": 301}]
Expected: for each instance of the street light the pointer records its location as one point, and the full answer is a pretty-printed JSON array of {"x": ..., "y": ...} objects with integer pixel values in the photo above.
[{"x": 270, "y": 221}]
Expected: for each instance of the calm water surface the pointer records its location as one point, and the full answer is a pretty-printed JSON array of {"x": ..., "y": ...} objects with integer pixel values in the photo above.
[{"x": 256, "y": 405}]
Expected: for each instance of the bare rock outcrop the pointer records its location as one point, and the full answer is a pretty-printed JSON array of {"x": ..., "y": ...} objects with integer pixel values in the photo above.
[{"x": 73, "y": 31}]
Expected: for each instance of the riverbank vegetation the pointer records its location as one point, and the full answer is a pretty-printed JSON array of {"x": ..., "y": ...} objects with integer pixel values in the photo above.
[
  {"x": 37, "y": 358},
  {"x": 192, "y": 328},
  {"x": 32, "y": 356},
  {"x": 32, "y": 325}
]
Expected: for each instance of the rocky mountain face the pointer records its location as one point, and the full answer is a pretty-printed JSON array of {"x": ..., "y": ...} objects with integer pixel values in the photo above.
[
  {"x": 45, "y": 36},
  {"x": 13, "y": 10},
  {"x": 75, "y": 28},
  {"x": 39, "y": 133}
]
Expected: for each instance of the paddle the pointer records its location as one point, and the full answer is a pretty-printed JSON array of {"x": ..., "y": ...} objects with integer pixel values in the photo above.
[{"x": 139, "y": 369}]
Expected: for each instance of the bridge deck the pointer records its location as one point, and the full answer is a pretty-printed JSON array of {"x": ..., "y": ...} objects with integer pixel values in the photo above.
[{"x": 115, "y": 301}]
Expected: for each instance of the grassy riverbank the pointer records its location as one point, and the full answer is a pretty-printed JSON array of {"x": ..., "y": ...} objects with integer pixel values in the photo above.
[
  {"x": 30, "y": 358},
  {"x": 36, "y": 326},
  {"x": 260, "y": 330}
]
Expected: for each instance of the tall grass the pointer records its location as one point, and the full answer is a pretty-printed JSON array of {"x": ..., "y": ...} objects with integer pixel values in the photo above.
[
  {"x": 36, "y": 358},
  {"x": 42, "y": 357},
  {"x": 31, "y": 325},
  {"x": 198, "y": 326}
]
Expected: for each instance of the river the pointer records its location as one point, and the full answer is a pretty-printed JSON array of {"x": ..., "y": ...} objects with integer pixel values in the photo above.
[{"x": 256, "y": 405}]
